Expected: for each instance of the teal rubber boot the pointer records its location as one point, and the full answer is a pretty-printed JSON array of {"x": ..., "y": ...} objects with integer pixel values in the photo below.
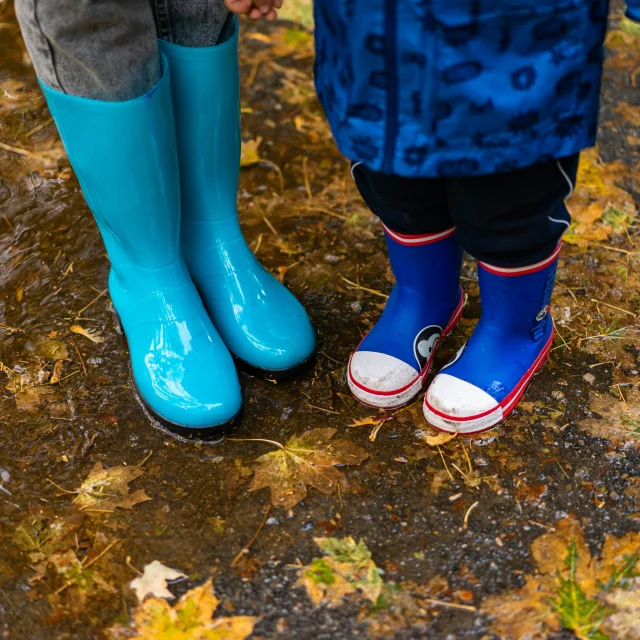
[
  {"x": 261, "y": 322},
  {"x": 125, "y": 157}
]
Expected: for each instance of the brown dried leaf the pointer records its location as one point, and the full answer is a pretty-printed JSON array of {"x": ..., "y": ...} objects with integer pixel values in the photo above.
[
  {"x": 57, "y": 372},
  {"x": 620, "y": 422},
  {"x": 541, "y": 606},
  {"x": 107, "y": 489},
  {"x": 308, "y": 460},
  {"x": 323, "y": 584}
]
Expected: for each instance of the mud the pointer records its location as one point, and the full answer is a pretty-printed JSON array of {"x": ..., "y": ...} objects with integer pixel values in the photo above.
[{"x": 541, "y": 464}]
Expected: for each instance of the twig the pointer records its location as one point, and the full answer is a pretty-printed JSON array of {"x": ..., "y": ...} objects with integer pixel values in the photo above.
[
  {"x": 451, "y": 605},
  {"x": 57, "y": 486},
  {"x": 75, "y": 346},
  {"x": 313, "y": 406},
  {"x": 444, "y": 462},
  {"x": 115, "y": 542},
  {"x": 20, "y": 152},
  {"x": 466, "y": 515},
  {"x": 128, "y": 563},
  {"x": 564, "y": 286},
  {"x": 605, "y": 304},
  {"x": 338, "y": 216},
  {"x": 357, "y": 286},
  {"x": 41, "y": 126},
  {"x": 467, "y": 456},
  {"x": 273, "y": 442},
  {"x": 145, "y": 459},
  {"x": 566, "y": 475},
  {"x": 246, "y": 548},
  {"x": 271, "y": 227},
  {"x": 305, "y": 173},
  {"x": 92, "y": 302}
]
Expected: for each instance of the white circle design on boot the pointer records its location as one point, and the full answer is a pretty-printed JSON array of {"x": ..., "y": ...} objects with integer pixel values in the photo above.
[
  {"x": 456, "y": 406},
  {"x": 381, "y": 380}
]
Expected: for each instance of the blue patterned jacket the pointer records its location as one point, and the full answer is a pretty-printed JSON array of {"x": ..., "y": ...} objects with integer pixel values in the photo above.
[{"x": 425, "y": 88}]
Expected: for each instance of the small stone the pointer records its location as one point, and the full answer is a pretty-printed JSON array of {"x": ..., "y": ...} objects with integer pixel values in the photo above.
[
  {"x": 589, "y": 378},
  {"x": 356, "y": 307},
  {"x": 557, "y": 395},
  {"x": 480, "y": 461},
  {"x": 273, "y": 522},
  {"x": 332, "y": 258}
]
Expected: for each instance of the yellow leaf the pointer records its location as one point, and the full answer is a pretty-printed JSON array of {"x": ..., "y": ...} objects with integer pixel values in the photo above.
[
  {"x": 441, "y": 438},
  {"x": 87, "y": 333},
  {"x": 106, "y": 489},
  {"x": 308, "y": 460},
  {"x": 564, "y": 566},
  {"x": 346, "y": 567},
  {"x": 260, "y": 37},
  {"x": 249, "y": 154},
  {"x": 597, "y": 192},
  {"x": 190, "y": 619}
]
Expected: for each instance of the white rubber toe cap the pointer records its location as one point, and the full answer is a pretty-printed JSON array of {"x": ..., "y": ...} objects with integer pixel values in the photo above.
[
  {"x": 454, "y": 405},
  {"x": 381, "y": 380}
]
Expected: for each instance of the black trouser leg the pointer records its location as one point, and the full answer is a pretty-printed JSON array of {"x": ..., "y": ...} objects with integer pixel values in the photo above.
[
  {"x": 509, "y": 219},
  {"x": 406, "y": 205},
  {"x": 513, "y": 219}
]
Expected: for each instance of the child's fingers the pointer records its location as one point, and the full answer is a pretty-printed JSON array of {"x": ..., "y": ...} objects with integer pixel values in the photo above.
[
  {"x": 271, "y": 16},
  {"x": 255, "y": 14},
  {"x": 238, "y": 6},
  {"x": 263, "y": 5},
  {"x": 277, "y": 4}
]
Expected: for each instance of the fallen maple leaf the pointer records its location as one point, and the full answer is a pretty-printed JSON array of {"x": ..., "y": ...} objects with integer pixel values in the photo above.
[
  {"x": 190, "y": 619},
  {"x": 107, "y": 489},
  {"x": 346, "y": 568},
  {"x": 153, "y": 581},
  {"x": 308, "y": 460},
  {"x": 564, "y": 591},
  {"x": 620, "y": 422}
]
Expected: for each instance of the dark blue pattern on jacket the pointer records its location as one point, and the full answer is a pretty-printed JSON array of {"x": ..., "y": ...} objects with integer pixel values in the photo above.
[{"x": 460, "y": 87}]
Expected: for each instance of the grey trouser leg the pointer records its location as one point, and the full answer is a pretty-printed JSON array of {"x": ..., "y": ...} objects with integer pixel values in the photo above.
[{"x": 107, "y": 49}]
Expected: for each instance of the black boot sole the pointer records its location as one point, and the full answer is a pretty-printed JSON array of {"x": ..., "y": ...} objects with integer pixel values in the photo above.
[
  {"x": 213, "y": 432},
  {"x": 207, "y": 434},
  {"x": 279, "y": 375}
]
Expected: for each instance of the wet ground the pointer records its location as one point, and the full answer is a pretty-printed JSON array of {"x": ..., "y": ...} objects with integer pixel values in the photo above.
[{"x": 473, "y": 538}]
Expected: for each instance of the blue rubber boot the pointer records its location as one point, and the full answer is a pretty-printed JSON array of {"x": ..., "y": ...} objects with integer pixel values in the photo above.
[
  {"x": 125, "y": 157},
  {"x": 511, "y": 342},
  {"x": 259, "y": 319},
  {"x": 389, "y": 367}
]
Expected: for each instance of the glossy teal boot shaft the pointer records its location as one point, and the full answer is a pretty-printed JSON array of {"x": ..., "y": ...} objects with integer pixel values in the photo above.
[
  {"x": 259, "y": 319},
  {"x": 125, "y": 157}
]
